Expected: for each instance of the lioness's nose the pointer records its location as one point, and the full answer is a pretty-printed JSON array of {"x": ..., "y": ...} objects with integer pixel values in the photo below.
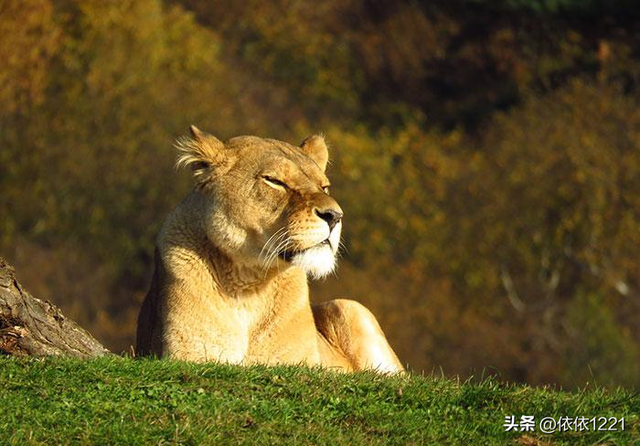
[{"x": 331, "y": 216}]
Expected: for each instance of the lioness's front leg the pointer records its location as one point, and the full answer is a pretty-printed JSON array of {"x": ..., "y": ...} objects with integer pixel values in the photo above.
[{"x": 351, "y": 338}]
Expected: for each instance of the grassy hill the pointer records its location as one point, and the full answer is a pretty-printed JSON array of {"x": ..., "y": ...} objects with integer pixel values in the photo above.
[{"x": 120, "y": 401}]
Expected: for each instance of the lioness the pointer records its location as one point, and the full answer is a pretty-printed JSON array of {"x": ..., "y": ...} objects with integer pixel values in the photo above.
[{"x": 231, "y": 263}]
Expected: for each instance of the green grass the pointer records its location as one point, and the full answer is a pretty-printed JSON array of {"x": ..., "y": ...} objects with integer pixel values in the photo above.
[{"x": 120, "y": 401}]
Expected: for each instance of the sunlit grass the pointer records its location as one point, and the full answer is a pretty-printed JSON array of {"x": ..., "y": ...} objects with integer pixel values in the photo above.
[{"x": 146, "y": 402}]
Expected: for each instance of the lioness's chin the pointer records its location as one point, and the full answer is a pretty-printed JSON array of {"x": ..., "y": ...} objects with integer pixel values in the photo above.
[{"x": 317, "y": 261}]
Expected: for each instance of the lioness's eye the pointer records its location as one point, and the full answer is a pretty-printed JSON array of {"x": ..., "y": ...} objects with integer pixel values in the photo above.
[{"x": 274, "y": 182}]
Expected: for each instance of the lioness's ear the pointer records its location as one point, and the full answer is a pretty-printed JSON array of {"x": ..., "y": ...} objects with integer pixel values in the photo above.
[
  {"x": 200, "y": 151},
  {"x": 316, "y": 148}
]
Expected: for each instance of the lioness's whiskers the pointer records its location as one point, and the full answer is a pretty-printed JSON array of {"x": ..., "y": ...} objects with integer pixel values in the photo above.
[
  {"x": 277, "y": 242},
  {"x": 271, "y": 248},
  {"x": 275, "y": 246},
  {"x": 276, "y": 250},
  {"x": 279, "y": 247},
  {"x": 276, "y": 235}
]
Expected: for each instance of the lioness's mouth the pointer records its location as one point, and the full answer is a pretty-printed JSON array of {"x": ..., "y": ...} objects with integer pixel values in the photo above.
[{"x": 289, "y": 254}]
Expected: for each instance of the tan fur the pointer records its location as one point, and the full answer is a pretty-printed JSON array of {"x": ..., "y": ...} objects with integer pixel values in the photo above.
[{"x": 231, "y": 265}]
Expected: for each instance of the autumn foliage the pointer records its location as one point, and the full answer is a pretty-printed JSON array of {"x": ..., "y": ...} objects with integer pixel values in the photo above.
[{"x": 486, "y": 153}]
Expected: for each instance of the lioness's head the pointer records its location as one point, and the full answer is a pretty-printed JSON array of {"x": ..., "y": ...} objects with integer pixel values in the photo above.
[{"x": 267, "y": 202}]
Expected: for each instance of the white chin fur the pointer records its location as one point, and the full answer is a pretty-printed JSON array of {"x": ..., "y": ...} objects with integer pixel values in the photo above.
[{"x": 317, "y": 262}]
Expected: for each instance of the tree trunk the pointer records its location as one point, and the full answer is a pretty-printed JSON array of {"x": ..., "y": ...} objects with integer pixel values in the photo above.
[{"x": 29, "y": 326}]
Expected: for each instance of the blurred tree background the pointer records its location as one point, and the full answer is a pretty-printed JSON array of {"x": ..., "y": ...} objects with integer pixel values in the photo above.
[{"x": 487, "y": 154}]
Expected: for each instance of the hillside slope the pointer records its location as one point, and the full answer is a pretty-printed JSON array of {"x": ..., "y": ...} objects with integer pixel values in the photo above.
[{"x": 144, "y": 402}]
